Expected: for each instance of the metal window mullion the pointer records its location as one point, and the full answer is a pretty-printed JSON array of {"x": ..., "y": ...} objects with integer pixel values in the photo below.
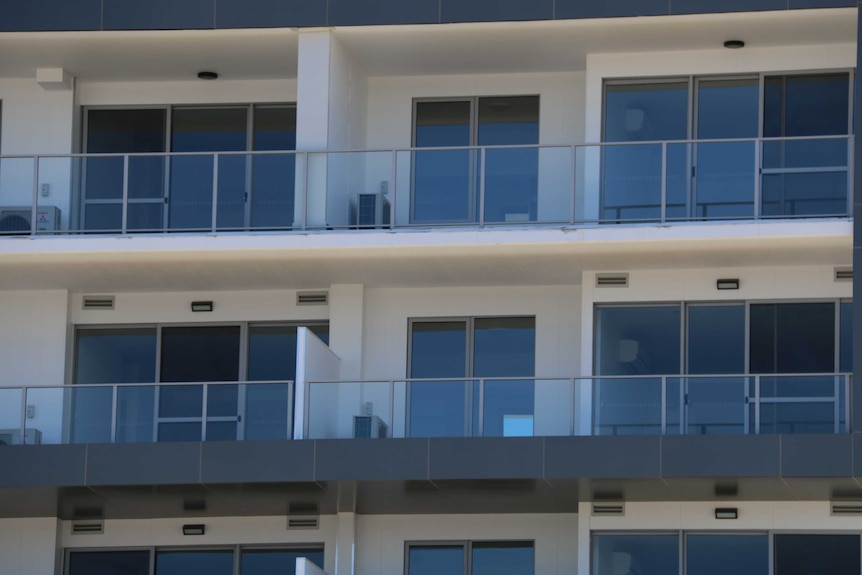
[
  {"x": 215, "y": 192},
  {"x": 758, "y": 176},
  {"x": 205, "y": 397},
  {"x": 114, "y": 407}
]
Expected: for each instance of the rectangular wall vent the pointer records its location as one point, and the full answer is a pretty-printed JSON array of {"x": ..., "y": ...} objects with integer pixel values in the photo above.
[
  {"x": 98, "y": 302},
  {"x": 844, "y": 274},
  {"x": 303, "y": 522},
  {"x": 846, "y": 508},
  {"x": 312, "y": 298},
  {"x": 88, "y": 527},
  {"x": 612, "y": 280},
  {"x": 609, "y": 508}
]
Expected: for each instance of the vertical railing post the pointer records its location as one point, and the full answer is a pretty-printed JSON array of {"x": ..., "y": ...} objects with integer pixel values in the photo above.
[
  {"x": 574, "y": 184},
  {"x": 664, "y": 181},
  {"x": 481, "y": 412},
  {"x": 756, "y": 404},
  {"x": 215, "y": 192},
  {"x": 482, "y": 169},
  {"x": 393, "y": 191},
  {"x": 125, "y": 214},
  {"x": 114, "y": 402},
  {"x": 24, "y": 391},
  {"x": 836, "y": 394},
  {"x": 683, "y": 406},
  {"x": 663, "y": 405},
  {"x": 304, "y": 218},
  {"x": 205, "y": 395},
  {"x": 392, "y": 409},
  {"x": 573, "y": 406},
  {"x": 34, "y": 209},
  {"x": 758, "y": 177}
]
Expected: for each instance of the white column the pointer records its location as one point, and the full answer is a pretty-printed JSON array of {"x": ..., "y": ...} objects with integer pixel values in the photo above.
[
  {"x": 345, "y": 543},
  {"x": 331, "y": 108},
  {"x": 584, "y": 509},
  {"x": 30, "y": 546},
  {"x": 346, "y": 319}
]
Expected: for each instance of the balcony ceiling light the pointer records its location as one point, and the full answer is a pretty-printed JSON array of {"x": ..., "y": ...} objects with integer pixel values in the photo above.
[
  {"x": 734, "y": 44},
  {"x": 210, "y": 75},
  {"x": 727, "y": 283},
  {"x": 202, "y": 306},
  {"x": 726, "y": 513}
]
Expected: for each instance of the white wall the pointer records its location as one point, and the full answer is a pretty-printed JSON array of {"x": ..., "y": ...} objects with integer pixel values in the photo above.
[
  {"x": 380, "y": 539},
  {"x": 189, "y": 92},
  {"x": 29, "y": 546}
]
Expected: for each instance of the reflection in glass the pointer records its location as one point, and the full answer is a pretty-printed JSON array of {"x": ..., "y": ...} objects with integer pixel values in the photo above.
[
  {"x": 115, "y": 355},
  {"x": 631, "y": 175},
  {"x": 92, "y": 409},
  {"x": 502, "y": 558},
  {"x": 443, "y": 186},
  {"x": 635, "y": 554},
  {"x": 276, "y": 561},
  {"x": 716, "y": 405},
  {"x": 438, "y": 350},
  {"x": 135, "y": 414},
  {"x": 435, "y": 560},
  {"x": 806, "y": 554},
  {"x": 109, "y": 563},
  {"x": 627, "y": 406},
  {"x": 716, "y": 339},
  {"x": 637, "y": 340},
  {"x": 214, "y": 562},
  {"x": 718, "y": 554},
  {"x": 511, "y": 175}
]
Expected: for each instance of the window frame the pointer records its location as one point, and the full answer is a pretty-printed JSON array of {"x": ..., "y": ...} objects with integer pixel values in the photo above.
[{"x": 466, "y": 545}]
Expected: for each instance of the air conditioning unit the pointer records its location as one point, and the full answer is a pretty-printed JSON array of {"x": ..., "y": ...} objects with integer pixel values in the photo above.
[
  {"x": 372, "y": 210},
  {"x": 17, "y": 219},
  {"x": 369, "y": 427},
  {"x": 13, "y": 437}
]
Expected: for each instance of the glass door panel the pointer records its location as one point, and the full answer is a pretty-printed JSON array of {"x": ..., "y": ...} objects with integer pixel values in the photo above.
[
  {"x": 632, "y": 174},
  {"x": 802, "y": 554},
  {"x": 134, "y": 131},
  {"x": 273, "y": 175},
  {"x": 717, "y": 554},
  {"x": 199, "y": 355},
  {"x": 435, "y": 560},
  {"x": 211, "y": 562},
  {"x": 438, "y": 349},
  {"x": 511, "y": 174},
  {"x": 191, "y": 198},
  {"x": 504, "y": 347},
  {"x": 443, "y": 180},
  {"x": 724, "y": 172}
]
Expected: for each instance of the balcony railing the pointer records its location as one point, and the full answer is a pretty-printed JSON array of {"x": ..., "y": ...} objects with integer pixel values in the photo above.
[
  {"x": 611, "y": 405},
  {"x": 144, "y": 413},
  {"x": 573, "y": 185}
]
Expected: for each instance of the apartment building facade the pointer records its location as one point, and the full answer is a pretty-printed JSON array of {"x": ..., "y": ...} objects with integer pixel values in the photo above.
[{"x": 380, "y": 287}]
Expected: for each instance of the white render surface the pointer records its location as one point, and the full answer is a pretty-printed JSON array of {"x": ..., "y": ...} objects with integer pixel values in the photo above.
[{"x": 29, "y": 546}]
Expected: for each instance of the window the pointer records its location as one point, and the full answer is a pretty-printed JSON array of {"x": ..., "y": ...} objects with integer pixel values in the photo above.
[
  {"x": 800, "y": 554},
  {"x": 252, "y": 561},
  {"x": 705, "y": 554},
  {"x": 451, "y": 352},
  {"x": 717, "y": 179},
  {"x": 644, "y": 350},
  {"x": 471, "y": 558},
  {"x": 254, "y": 191},
  {"x": 447, "y": 183},
  {"x": 189, "y": 354}
]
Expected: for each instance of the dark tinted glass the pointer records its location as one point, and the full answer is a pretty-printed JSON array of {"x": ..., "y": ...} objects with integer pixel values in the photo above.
[
  {"x": 716, "y": 339},
  {"x": 115, "y": 356},
  {"x": 727, "y": 108},
  {"x": 646, "y": 112},
  {"x": 505, "y": 558},
  {"x": 271, "y": 353},
  {"x": 276, "y": 561},
  {"x": 442, "y": 124},
  {"x": 186, "y": 562},
  {"x": 792, "y": 338},
  {"x": 109, "y": 563},
  {"x": 634, "y": 340},
  {"x": 125, "y": 131},
  {"x": 845, "y": 337},
  {"x": 806, "y": 105},
  {"x": 200, "y": 354},
  {"x": 438, "y": 350},
  {"x": 274, "y": 128},
  {"x": 273, "y": 175},
  {"x": 635, "y": 554},
  {"x": 722, "y": 554},
  {"x": 436, "y": 560},
  {"x": 807, "y": 554}
]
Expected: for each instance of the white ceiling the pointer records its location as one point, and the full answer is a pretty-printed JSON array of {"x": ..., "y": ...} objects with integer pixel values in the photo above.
[{"x": 400, "y": 50}]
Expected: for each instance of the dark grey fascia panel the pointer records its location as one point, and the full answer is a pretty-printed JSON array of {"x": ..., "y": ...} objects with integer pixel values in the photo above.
[
  {"x": 83, "y": 15},
  {"x": 42, "y": 465}
]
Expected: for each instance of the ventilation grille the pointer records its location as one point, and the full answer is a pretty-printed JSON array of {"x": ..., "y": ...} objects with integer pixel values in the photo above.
[
  {"x": 844, "y": 274},
  {"x": 312, "y": 298},
  {"x": 612, "y": 280},
  {"x": 303, "y": 522},
  {"x": 846, "y": 508},
  {"x": 88, "y": 527},
  {"x": 98, "y": 302},
  {"x": 616, "y": 508}
]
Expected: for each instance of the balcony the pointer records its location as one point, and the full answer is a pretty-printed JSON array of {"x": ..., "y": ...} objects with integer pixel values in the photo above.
[
  {"x": 146, "y": 413},
  {"x": 419, "y": 188},
  {"x": 619, "y": 405}
]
